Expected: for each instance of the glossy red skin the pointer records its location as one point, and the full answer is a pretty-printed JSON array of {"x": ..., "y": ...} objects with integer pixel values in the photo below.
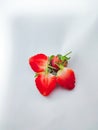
[
  {"x": 45, "y": 83},
  {"x": 38, "y": 62},
  {"x": 66, "y": 78},
  {"x": 54, "y": 61}
]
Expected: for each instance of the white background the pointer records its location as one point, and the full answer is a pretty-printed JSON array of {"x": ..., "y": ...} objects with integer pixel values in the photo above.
[{"x": 50, "y": 27}]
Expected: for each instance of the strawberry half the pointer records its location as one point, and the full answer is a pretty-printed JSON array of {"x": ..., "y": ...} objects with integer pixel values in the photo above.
[
  {"x": 66, "y": 78},
  {"x": 38, "y": 62},
  {"x": 45, "y": 83}
]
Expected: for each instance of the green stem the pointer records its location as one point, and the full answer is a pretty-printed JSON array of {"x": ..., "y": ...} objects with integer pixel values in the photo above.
[
  {"x": 51, "y": 67},
  {"x": 68, "y": 53},
  {"x": 60, "y": 66}
]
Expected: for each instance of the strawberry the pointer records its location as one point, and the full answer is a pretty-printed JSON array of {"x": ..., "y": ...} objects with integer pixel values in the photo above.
[
  {"x": 66, "y": 78},
  {"x": 38, "y": 62},
  {"x": 45, "y": 83},
  {"x": 55, "y": 60},
  {"x": 58, "y": 60}
]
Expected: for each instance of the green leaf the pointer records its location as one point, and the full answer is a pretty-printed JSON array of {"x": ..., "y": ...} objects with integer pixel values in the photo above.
[
  {"x": 59, "y": 55},
  {"x": 67, "y": 58},
  {"x": 63, "y": 58}
]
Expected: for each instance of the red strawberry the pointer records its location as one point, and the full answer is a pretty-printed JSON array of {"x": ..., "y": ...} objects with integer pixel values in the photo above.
[
  {"x": 45, "y": 83},
  {"x": 55, "y": 60},
  {"x": 58, "y": 60},
  {"x": 38, "y": 62},
  {"x": 66, "y": 78}
]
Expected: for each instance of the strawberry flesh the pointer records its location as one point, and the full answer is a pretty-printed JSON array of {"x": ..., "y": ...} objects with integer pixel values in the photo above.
[
  {"x": 45, "y": 83},
  {"x": 66, "y": 78},
  {"x": 38, "y": 62}
]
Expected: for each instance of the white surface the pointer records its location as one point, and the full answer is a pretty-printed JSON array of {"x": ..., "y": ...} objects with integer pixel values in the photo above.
[{"x": 50, "y": 27}]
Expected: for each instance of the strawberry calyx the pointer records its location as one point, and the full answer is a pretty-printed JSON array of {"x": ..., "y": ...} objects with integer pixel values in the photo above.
[
  {"x": 64, "y": 58},
  {"x": 59, "y": 61}
]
